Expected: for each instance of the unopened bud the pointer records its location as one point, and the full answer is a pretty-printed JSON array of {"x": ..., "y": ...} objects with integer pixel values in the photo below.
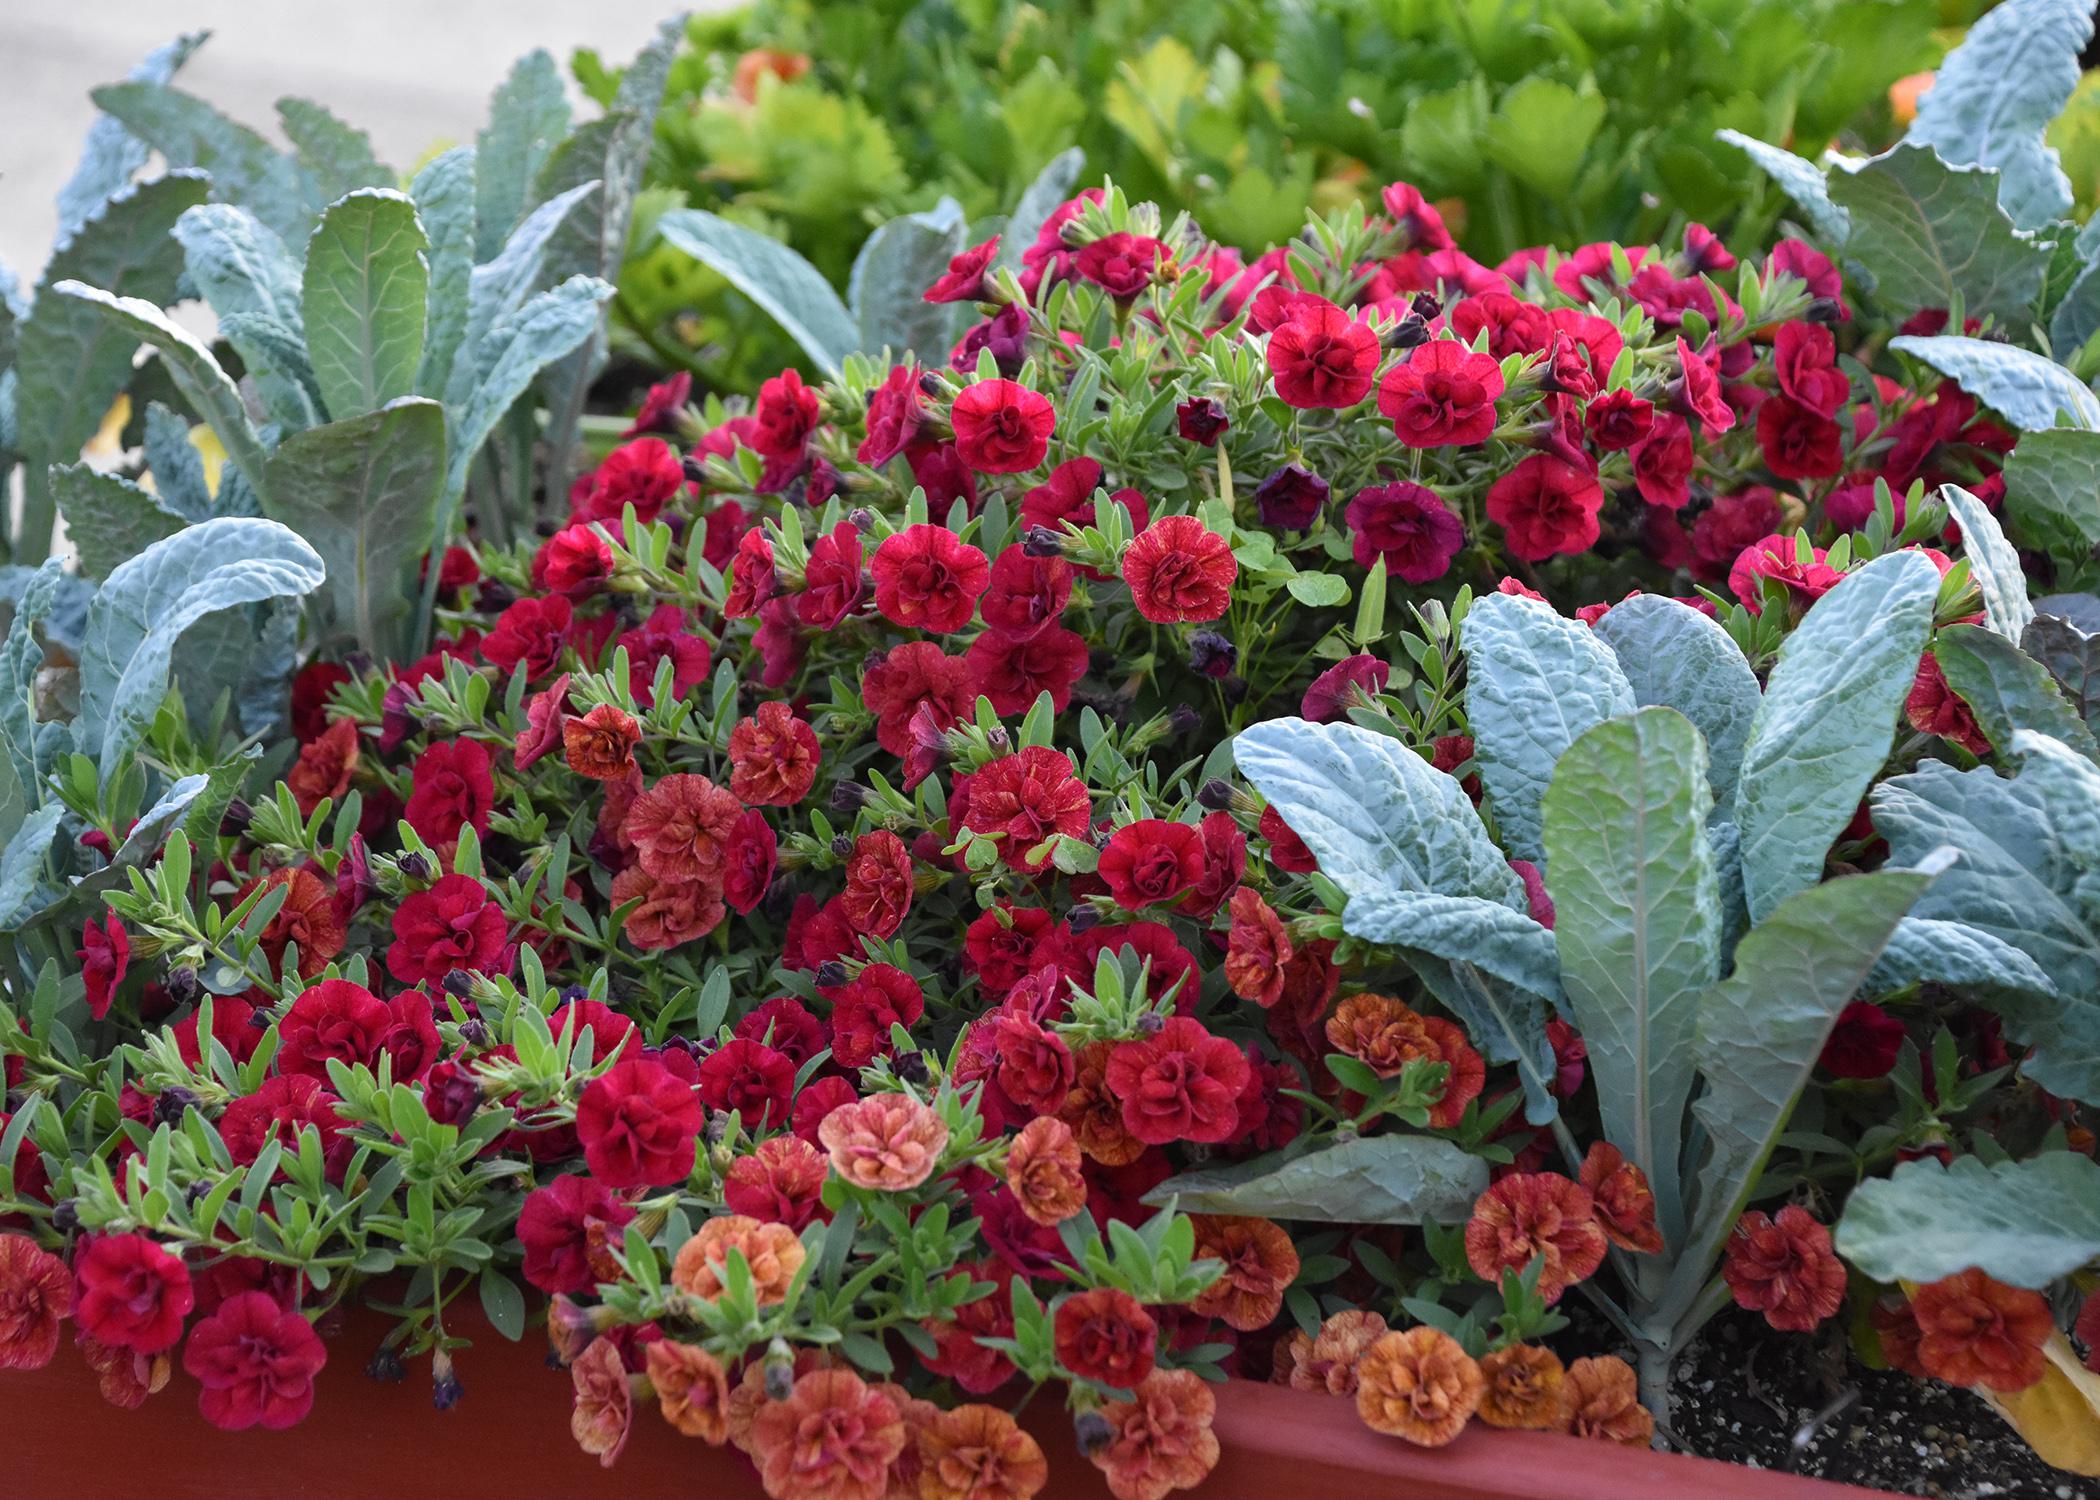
[
  {"x": 414, "y": 866},
  {"x": 171, "y": 1104},
  {"x": 181, "y": 984},
  {"x": 1215, "y": 794},
  {"x": 830, "y": 974},
  {"x": 385, "y": 1366},
  {"x": 445, "y": 1389},
  {"x": 459, "y": 983},
  {"x": 1092, "y": 1432},
  {"x": 780, "y": 1371},
  {"x": 1041, "y": 541},
  {"x": 1151, "y": 1023},
  {"x": 911, "y": 1067}
]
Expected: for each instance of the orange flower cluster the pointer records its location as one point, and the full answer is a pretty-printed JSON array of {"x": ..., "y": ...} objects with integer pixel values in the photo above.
[
  {"x": 834, "y": 1438},
  {"x": 681, "y": 830},
  {"x": 1532, "y": 1214},
  {"x": 1419, "y": 1384},
  {"x": 772, "y": 1251},
  {"x": 1386, "y": 1035},
  {"x": 1260, "y": 1265},
  {"x": 1161, "y": 1440},
  {"x": 1601, "y": 1399}
]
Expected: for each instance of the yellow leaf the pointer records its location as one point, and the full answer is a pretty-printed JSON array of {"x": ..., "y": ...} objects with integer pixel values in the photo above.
[
  {"x": 106, "y": 447},
  {"x": 213, "y": 452},
  {"x": 2059, "y": 1415}
]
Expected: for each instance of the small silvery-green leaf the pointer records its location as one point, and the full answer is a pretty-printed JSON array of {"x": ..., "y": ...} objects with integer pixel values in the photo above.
[
  {"x": 22, "y": 861},
  {"x": 21, "y": 657},
  {"x": 363, "y": 296},
  {"x": 1992, "y": 563},
  {"x": 146, "y": 604},
  {"x": 2052, "y": 491},
  {"x": 239, "y": 263},
  {"x": 789, "y": 288},
  {"x": 364, "y": 492},
  {"x": 1676, "y": 657},
  {"x": 1382, "y": 1179},
  {"x": 1376, "y": 815},
  {"x": 498, "y": 288},
  {"x": 528, "y": 116},
  {"x": 2025, "y": 1223},
  {"x": 2007, "y": 689},
  {"x": 444, "y": 196},
  {"x": 2072, "y": 657},
  {"x": 113, "y": 156},
  {"x": 1801, "y": 180},
  {"x": 1994, "y": 96},
  {"x": 276, "y": 357},
  {"x": 108, "y": 518},
  {"x": 190, "y": 134},
  {"x": 2070, "y": 785},
  {"x": 1759, "y": 1032},
  {"x": 1320, "y": 590},
  {"x": 196, "y": 374},
  {"x": 1638, "y": 921},
  {"x": 337, "y": 156},
  {"x": 1534, "y": 682},
  {"x": 1929, "y": 233},
  {"x": 1508, "y": 944},
  {"x": 887, "y": 291},
  {"x": 1052, "y": 186},
  {"x": 1827, "y": 721},
  {"x": 2030, "y": 390}
]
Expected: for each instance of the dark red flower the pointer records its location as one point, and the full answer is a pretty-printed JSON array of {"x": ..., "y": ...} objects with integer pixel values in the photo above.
[
  {"x": 1025, "y": 798},
  {"x": 1513, "y": 326},
  {"x": 104, "y": 954},
  {"x": 1287, "y": 852},
  {"x": 1202, "y": 420},
  {"x": 749, "y": 860},
  {"x": 753, "y": 1079},
  {"x": 1179, "y": 1084},
  {"x": 1179, "y": 570},
  {"x": 575, "y": 561},
  {"x": 453, "y": 787},
  {"x": 667, "y": 635},
  {"x": 877, "y": 998},
  {"x": 334, "y": 1020},
  {"x": 257, "y": 1362},
  {"x": 1800, "y": 259},
  {"x": 660, "y": 406},
  {"x": 1001, "y": 427},
  {"x": 787, "y": 412},
  {"x": 818, "y": 1098},
  {"x": 781, "y": 1181},
  {"x": 878, "y": 884},
  {"x": 1342, "y": 686},
  {"x": 453, "y": 925},
  {"x": 530, "y": 633},
  {"x": 1321, "y": 357},
  {"x": 311, "y": 691},
  {"x": 1864, "y": 1043},
  {"x": 1443, "y": 395},
  {"x": 914, "y": 675},
  {"x": 645, "y": 473},
  {"x": 566, "y": 1225},
  {"x": 1804, "y": 357},
  {"x": 1121, "y": 264},
  {"x": 1618, "y": 420},
  {"x": 638, "y": 1123},
  {"x": 831, "y": 583},
  {"x": 1291, "y": 499},
  {"x": 896, "y": 410},
  {"x": 773, "y": 757},
  {"x": 752, "y": 580},
  {"x": 1933, "y": 707},
  {"x": 1788, "y": 560},
  {"x": 278, "y": 1110},
  {"x": 1408, "y": 526},
  {"x": 964, "y": 280},
  {"x": 1105, "y": 1335},
  {"x": 1545, "y": 507},
  {"x": 927, "y": 578},
  {"x": 544, "y": 715},
  {"x": 131, "y": 1292},
  {"x": 1798, "y": 443},
  {"x": 1785, "y": 1268},
  {"x": 1013, "y": 672},
  {"x": 325, "y": 765},
  {"x": 1151, "y": 861},
  {"x": 1025, "y": 594}
]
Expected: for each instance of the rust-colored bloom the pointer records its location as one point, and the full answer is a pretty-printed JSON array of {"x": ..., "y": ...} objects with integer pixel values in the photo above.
[
  {"x": 670, "y": 912},
  {"x": 1784, "y": 1268},
  {"x": 1524, "y": 1385},
  {"x": 1042, "y": 1169},
  {"x": 691, "y": 1388},
  {"x": 978, "y": 1452},
  {"x": 1094, "y": 1113},
  {"x": 308, "y": 918},
  {"x": 1161, "y": 1441},
  {"x": 1624, "y": 1202},
  {"x": 1977, "y": 1331},
  {"x": 889, "y": 1142},
  {"x": 1327, "y": 1361},
  {"x": 833, "y": 1439},
  {"x": 772, "y": 1251},
  {"x": 1601, "y": 1399},
  {"x": 1257, "y": 950},
  {"x": 601, "y": 744},
  {"x": 1529, "y": 1214},
  {"x": 604, "y": 1410},
  {"x": 1896, "y": 1330},
  {"x": 681, "y": 828},
  {"x": 325, "y": 765},
  {"x": 36, "y": 1292},
  {"x": 1260, "y": 1264},
  {"x": 1386, "y": 1035},
  {"x": 1105, "y": 1334},
  {"x": 773, "y": 757},
  {"x": 125, "y": 1378},
  {"x": 1419, "y": 1384}
]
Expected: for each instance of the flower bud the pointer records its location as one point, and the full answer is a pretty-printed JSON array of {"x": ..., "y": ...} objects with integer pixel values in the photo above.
[
  {"x": 1092, "y": 1432},
  {"x": 181, "y": 985},
  {"x": 912, "y": 1068},
  {"x": 65, "y": 1215},
  {"x": 473, "y": 1032},
  {"x": 459, "y": 983},
  {"x": 1084, "y": 917},
  {"x": 718, "y": 1127},
  {"x": 861, "y": 518},
  {"x": 1405, "y": 334},
  {"x": 496, "y": 596},
  {"x": 1041, "y": 541},
  {"x": 830, "y": 974},
  {"x": 169, "y": 1106},
  {"x": 236, "y": 819},
  {"x": 1212, "y": 655},
  {"x": 1426, "y": 305},
  {"x": 445, "y": 1389},
  {"x": 413, "y": 866},
  {"x": 1202, "y": 420},
  {"x": 385, "y": 1366},
  {"x": 1825, "y": 310},
  {"x": 842, "y": 845},
  {"x": 695, "y": 468},
  {"x": 847, "y": 796},
  {"x": 1184, "y": 721},
  {"x": 1151, "y": 1023},
  {"x": 1215, "y": 794},
  {"x": 780, "y": 1371}
]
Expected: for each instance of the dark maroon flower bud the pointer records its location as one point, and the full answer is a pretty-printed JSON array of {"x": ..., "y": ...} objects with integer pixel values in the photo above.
[
  {"x": 847, "y": 796},
  {"x": 496, "y": 596},
  {"x": 446, "y": 1391},
  {"x": 65, "y": 1215},
  {"x": 830, "y": 974},
  {"x": 780, "y": 1372},
  {"x": 473, "y": 1033},
  {"x": 718, "y": 1124},
  {"x": 1202, "y": 420},
  {"x": 414, "y": 866},
  {"x": 1291, "y": 499},
  {"x": 695, "y": 467},
  {"x": 1151, "y": 1023},
  {"x": 459, "y": 983},
  {"x": 1041, "y": 541},
  {"x": 1405, "y": 334},
  {"x": 998, "y": 740},
  {"x": 1215, "y": 794},
  {"x": 1184, "y": 721},
  {"x": 911, "y": 1067},
  {"x": 385, "y": 1366},
  {"x": 181, "y": 985},
  {"x": 862, "y": 518},
  {"x": 1083, "y": 918},
  {"x": 1826, "y": 310},
  {"x": 842, "y": 845},
  {"x": 397, "y": 716},
  {"x": 1212, "y": 655},
  {"x": 237, "y": 817},
  {"x": 1092, "y": 1432},
  {"x": 356, "y": 663},
  {"x": 1426, "y": 306},
  {"x": 1005, "y": 333},
  {"x": 170, "y": 1104}
]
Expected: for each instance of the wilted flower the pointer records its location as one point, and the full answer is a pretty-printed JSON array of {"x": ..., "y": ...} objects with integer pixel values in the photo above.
[
  {"x": 1327, "y": 1361},
  {"x": 604, "y": 1410}
]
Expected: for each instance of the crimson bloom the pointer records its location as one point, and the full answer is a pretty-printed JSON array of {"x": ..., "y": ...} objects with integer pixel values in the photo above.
[
  {"x": 1442, "y": 395},
  {"x": 257, "y": 1363},
  {"x": 638, "y": 1122},
  {"x": 1406, "y": 525},
  {"x": 334, "y": 1020},
  {"x": 104, "y": 954},
  {"x": 453, "y": 925},
  {"x": 131, "y": 1292},
  {"x": 927, "y": 578},
  {"x": 1546, "y": 506},
  {"x": 1785, "y": 1268},
  {"x": 453, "y": 787},
  {"x": 564, "y": 1227},
  {"x": 964, "y": 280},
  {"x": 751, "y": 1078},
  {"x": 1321, "y": 357},
  {"x": 1025, "y": 798},
  {"x": 1151, "y": 861},
  {"x": 1179, "y": 570},
  {"x": 36, "y": 1293},
  {"x": 1121, "y": 264},
  {"x": 1179, "y": 1084},
  {"x": 645, "y": 473},
  {"x": 1002, "y": 427}
]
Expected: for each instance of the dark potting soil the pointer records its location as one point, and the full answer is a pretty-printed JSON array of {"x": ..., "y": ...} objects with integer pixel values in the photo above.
[{"x": 1744, "y": 1392}]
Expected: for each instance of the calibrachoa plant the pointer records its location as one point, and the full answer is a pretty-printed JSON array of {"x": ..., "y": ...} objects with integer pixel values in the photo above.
[{"x": 800, "y": 917}]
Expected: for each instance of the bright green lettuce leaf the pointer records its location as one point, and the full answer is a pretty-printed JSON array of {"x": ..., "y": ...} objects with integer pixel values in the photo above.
[
  {"x": 1638, "y": 923},
  {"x": 1827, "y": 721},
  {"x": 363, "y": 297},
  {"x": 1928, "y": 233},
  {"x": 1535, "y": 680},
  {"x": 1380, "y": 1179},
  {"x": 1541, "y": 130},
  {"x": 2025, "y": 1223},
  {"x": 1676, "y": 657}
]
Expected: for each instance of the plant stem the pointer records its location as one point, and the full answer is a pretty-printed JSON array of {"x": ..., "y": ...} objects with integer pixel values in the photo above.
[{"x": 1654, "y": 1369}]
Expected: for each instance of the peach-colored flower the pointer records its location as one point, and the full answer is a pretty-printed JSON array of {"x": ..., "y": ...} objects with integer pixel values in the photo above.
[
  {"x": 125, "y": 1378},
  {"x": 1327, "y": 1361},
  {"x": 1419, "y": 1384},
  {"x": 1528, "y": 1214},
  {"x": 1524, "y": 1384},
  {"x": 1162, "y": 1440},
  {"x": 1260, "y": 1264},
  {"x": 604, "y": 1410},
  {"x": 906, "y": 1466},
  {"x": 1601, "y": 1399},
  {"x": 978, "y": 1452},
  {"x": 1042, "y": 1169},
  {"x": 600, "y": 745},
  {"x": 691, "y": 1388},
  {"x": 748, "y": 1395},
  {"x": 680, "y": 828},
  {"x": 1258, "y": 950},
  {"x": 671, "y": 911},
  {"x": 772, "y": 1251},
  {"x": 889, "y": 1142},
  {"x": 36, "y": 1292},
  {"x": 774, "y": 757},
  {"x": 1624, "y": 1202},
  {"x": 1094, "y": 1112},
  {"x": 1977, "y": 1331},
  {"x": 834, "y": 1438},
  {"x": 1785, "y": 1268}
]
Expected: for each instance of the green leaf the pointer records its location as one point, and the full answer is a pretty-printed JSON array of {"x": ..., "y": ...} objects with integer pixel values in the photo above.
[
  {"x": 364, "y": 492},
  {"x": 196, "y": 374},
  {"x": 1052, "y": 186},
  {"x": 1460, "y": 929},
  {"x": 791, "y": 290},
  {"x": 2025, "y": 1223},
  {"x": 363, "y": 296},
  {"x": 176, "y": 465},
  {"x": 1378, "y": 816},
  {"x": 1638, "y": 922},
  {"x": 1541, "y": 130},
  {"x": 2072, "y": 658},
  {"x": 108, "y": 518},
  {"x": 498, "y": 289},
  {"x": 189, "y": 134},
  {"x": 2008, "y": 689},
  {"x": 22, "y": 861},
  {"x": 1995, "y": 95},
  {"x": 1318, "y": 590},
  {"x": 1758, "y": 1034},
  {"x": 528, "y": 115},
  {"x": 1928, "y": 233},
  {"x": 147, "y": 603},
  {"x": 113, "y": 156},
  {"x": 1676, "y": 657},
  {"x": 887, "y": 291},
  {"x": 444, "y": 196},
  {"x": 1801, "y": 180},
  {"x": 1827, "y": 721},
  {"x": 503, "y": 1302},
  {"x": 1534, "y": 682},
  {"x": 1992, "y": 563},
  {"x": 2052, "y": 492},
  {"x": 338, "y": 157},
  {"x": 1383, "y": 1179},
  {"x": 252, "y": 283},
  {"x": 2030, "y": 390},
  {"x": 514, "y": 351}
]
